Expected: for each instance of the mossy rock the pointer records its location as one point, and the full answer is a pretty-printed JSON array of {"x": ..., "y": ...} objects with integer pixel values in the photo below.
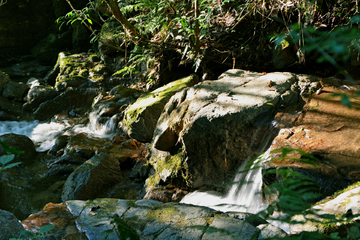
[{"x": 141, "y": 117}]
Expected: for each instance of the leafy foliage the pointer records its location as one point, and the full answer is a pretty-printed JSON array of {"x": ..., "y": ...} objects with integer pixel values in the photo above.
[
  {"x": 42, "y": 233},
  {"x": 6, "y": 159}
]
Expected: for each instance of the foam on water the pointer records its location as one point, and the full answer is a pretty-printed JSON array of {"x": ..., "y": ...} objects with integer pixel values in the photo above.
[
  {"x": 243, "y": 196},
  {"x": 97, "y": 129},
  {"x": 44, "y": 135}
]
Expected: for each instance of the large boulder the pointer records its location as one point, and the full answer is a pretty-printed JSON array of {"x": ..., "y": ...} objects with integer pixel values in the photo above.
[
  {"x": 92, "y": 178},
  {"x": 330, "y": 131},
  {"x": 141, "y": 117},
  {"x": 66, "y": 101},
  {"x": 15, "y": 90},
  {"x": 207, "y": 131},
  {"x": 10, "y": 227}
]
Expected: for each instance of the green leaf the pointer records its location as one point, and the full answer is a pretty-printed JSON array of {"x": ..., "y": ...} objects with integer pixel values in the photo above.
[
  {"x": 8, "y": 149},
  {"x": 46, "y": 228},
  {"x": 6, "y": 159},
  {"x": 11, "y": 165},
  {"x": 27, "y": 234}
]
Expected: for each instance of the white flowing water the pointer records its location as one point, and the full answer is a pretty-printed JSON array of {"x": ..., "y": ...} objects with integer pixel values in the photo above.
[
  {"x": 44, "y": 134},
  {"x": 245, "y": 194}
]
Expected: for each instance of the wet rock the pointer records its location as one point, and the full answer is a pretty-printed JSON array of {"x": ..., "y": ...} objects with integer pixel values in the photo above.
[
  {"x": 92, "y": 178},
  {"x": 28, "y": 188},
  {"x": 141, "y": 117},
  {"x": 15, "y": 90},
  {"x": 10, "y": 227},
  {"x": 58, "y": 215},
  {"x": 143, "y": 219},
  {"x": 37, "y": 95},
  {"x": 211, "y": 125},
  {"x": 60, "y": 143},
  {"x": 66, "y": 101}
]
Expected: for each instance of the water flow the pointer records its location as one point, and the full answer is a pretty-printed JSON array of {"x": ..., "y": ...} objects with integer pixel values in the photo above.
[
  {"x": 95, "y": 128},
  {"x": 245, "y": 194},
  {"x": 44, "y": 135}
]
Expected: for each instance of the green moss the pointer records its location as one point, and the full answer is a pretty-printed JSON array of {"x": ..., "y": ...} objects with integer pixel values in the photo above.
[
  {"x": 155, "y": 97},
  {"x": 162, "y": 214},
  {"x": 355, "y": 185}
]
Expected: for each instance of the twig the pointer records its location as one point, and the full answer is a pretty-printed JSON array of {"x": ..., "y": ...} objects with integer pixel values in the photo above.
[{"x": 77, "y": 13}]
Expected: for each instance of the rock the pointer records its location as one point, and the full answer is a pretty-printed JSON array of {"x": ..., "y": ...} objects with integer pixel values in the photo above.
[
  {"x": 20, "y": 143},
  {"x": 64, "y": 228},
  {"x": 330, "y": 131},
  {"x": 4, "y": 79},
  {"x": 11, "y": 107},
  {"x": 92, "y": 178},
  {"x": 228, "y": 228},
  {"x": 37, "y": 95},
  {"x": 26, "y": 68},
  {"x": 77, "y": 69},
  {"x": 10, "y": 226},
  {"x": 270, "y": 231},
  {"x": 141, "y": 117},
  {"x": 47, "y": 50},
  {"x": 217, "y": 125},
  {"x": 15, "y": 90},
  {"x": 66, "y": 101},
  {"x": 344, "y": 205},
  {"x": 143, "y": 219}
]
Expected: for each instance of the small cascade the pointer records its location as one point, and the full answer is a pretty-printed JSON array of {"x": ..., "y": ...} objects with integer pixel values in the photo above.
[
  {"x": 44, "y": 135},
  {"x": 245, "y": 194},
  {"x": 97, "y": 129}
]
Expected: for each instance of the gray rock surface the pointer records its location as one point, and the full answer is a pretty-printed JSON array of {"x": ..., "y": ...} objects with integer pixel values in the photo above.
[
  {"x": 10, "y": 226},
  {"x": 146, "y": 219},
  {"x": 141, "y": 117},
  {"x": 92, "y": 178},
  {"x": 219, "y": 124}
]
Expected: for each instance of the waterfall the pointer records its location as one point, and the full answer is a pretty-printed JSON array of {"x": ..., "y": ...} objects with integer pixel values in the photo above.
[{"x": 245, "y": 193}]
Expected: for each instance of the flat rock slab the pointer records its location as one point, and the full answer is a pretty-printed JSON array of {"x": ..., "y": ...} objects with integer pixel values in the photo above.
[{"x": 143, "y": 219}]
